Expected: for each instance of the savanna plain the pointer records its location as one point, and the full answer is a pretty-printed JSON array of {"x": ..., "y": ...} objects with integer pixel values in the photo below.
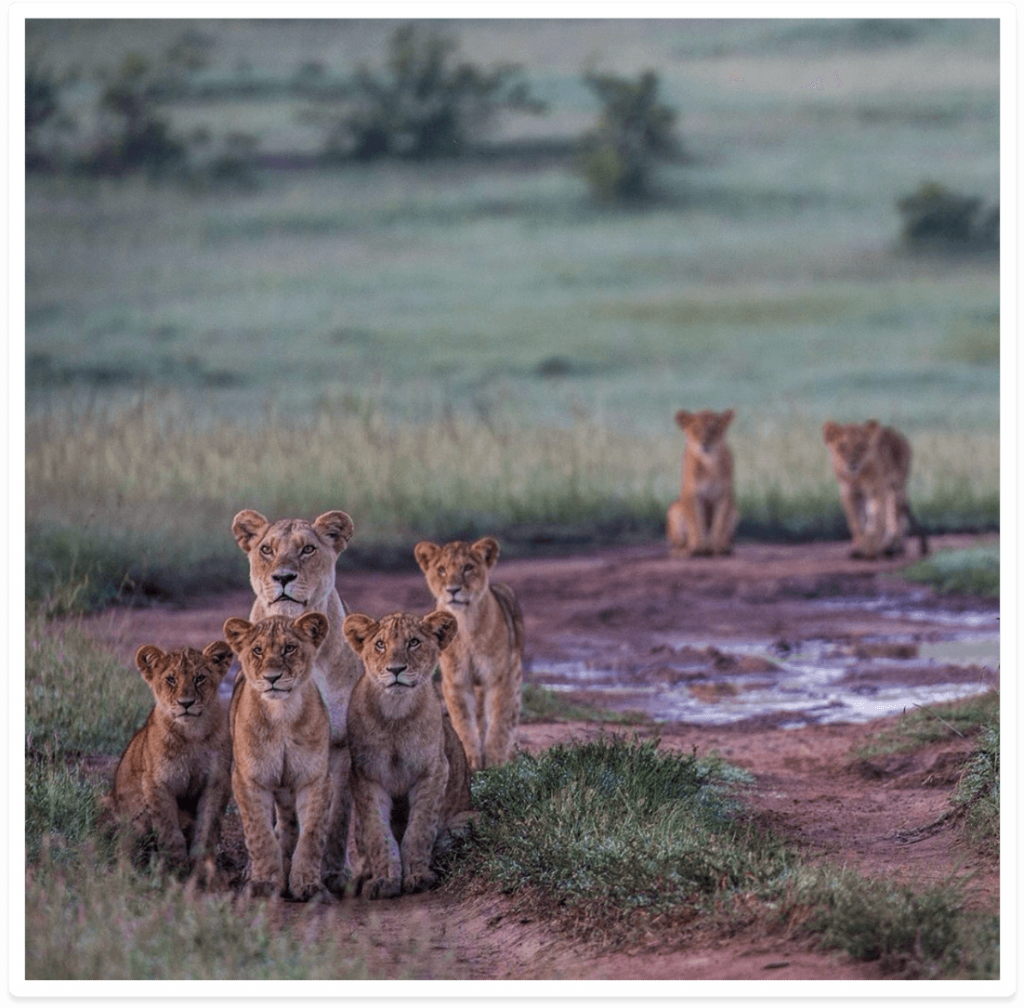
[{"x": 474, "y": 347}]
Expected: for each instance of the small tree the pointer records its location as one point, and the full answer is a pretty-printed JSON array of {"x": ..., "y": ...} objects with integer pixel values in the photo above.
[
  {"x": 634, "y": 131},
  {"x": 424, "y": 104},
  {"x": 935, "y": 218},
  {"x": 43, "y": 112}
]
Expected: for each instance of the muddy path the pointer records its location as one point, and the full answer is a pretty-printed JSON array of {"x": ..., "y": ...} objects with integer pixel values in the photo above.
[{"x": 782, "y": 658}]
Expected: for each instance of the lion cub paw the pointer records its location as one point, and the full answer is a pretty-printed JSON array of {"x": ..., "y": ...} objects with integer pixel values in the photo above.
[
  {"x": 261, "y": 890},
  {"x": 382, "y": 888},
  {"x": 303, "y": 887},
  {"x": 419, "y": 881}
]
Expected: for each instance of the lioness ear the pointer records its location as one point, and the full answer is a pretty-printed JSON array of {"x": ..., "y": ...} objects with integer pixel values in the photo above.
[
  {"x": 831, "y": 431},
  {"x": 220, "y": 656},
  {"x": 443, "y": 626},
  {"x": 313, "y": 626},
  {"x": 487, "y": 549},
  {"x": 146, "y": 658},
  {"x": 247, "y": 527},
  {"x": 425, "y": 552},
  {"x": 235, "y": 630},
  {"x": 357, "y": 628},
  {"x": 336, "y": 527},
  {"x": 683, "y": 418}
]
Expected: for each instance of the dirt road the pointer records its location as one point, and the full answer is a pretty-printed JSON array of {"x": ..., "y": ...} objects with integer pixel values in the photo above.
[{"x": 782, "y": 658}]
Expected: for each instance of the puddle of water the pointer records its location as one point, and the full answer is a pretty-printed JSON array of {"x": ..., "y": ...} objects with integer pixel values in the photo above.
[{"x": 814, "y": 682}]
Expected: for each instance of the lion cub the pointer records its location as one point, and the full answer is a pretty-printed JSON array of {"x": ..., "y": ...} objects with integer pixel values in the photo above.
[
  {"x": 872, "y": 464},
  {"x": 482, "y": 671},
  {"x": 409, "y": 774},
  {"x": 174, "y": 778},
  {"x": 281, "y": 739},
  {"x": 702, "y": 520}
]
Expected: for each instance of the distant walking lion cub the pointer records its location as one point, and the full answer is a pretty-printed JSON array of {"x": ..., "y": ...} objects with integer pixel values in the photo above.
[
  {"x": 872, "y": 465},
  {"x": 482, "y": 671},
  {"x": 702, "y": 520},
  {"x": 410, "y": 779}
]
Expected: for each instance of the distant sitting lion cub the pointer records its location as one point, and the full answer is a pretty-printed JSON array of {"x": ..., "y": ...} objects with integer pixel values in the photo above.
[
  {"x": 281, "y": 738},
  {"x": 174, "y": 778},
  {"x": 292, "y": 571},
  {"x": 482, "y": 671},
  {"x": 702, "y": 520},
  {"x": 872, "y": 464},
  {"x": 409, "y": 773}
]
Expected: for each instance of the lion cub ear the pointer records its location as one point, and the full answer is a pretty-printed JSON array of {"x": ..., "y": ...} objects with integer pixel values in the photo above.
[
  {"x": 487, "y": 549},
  {"x": 336, "y": 527},
  {"x": 220, "y": 656},
  {"x": 683, "y": 417},
  {"x": 725, "y": 418},
  {"x": 357, "y": 629},
  {"x": 425, "y": 553},
  {"x": 247, "y": 527},
  {"x": 442, "y": 626},
  {"x": 831, "y": 431},
  {"x": 236, "y": 630},
  {"x": 146, "y": 659},
  {"x": 313, "y": 626}
]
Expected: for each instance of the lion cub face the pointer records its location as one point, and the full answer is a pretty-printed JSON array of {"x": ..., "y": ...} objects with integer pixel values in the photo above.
[
  {"x": 850, "y": 445},
  {"x": 706, "y": 429},
  {"x": 184, "y": 681},
  {"x": 277, "y": 653},
  {"x": 291, "y": 561},
  {"x": 458, "y": 574},
  {"x": 400, "y": 651}
]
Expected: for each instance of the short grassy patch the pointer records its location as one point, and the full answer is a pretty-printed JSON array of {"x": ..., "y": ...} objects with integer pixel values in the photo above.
[
  {"x": 540, "y": 704},
  {"x": 934, "y": 723},
  {"x": 960, "y": 572}
]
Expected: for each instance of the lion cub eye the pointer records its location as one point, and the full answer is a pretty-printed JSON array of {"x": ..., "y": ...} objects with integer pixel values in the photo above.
[
  {"x": 289, "y": 649},
  {"x": 308, "y": 548},
  {"x": 379, "y": 645},
  {"x": 200, "y": 679},
  {"x": 414, "y": 642},
  {"x": 171, "y": 681},
  {"x": 257, "y": 650},
  {"x": 468, "y": 569},
  {"x": 441, "y": 571}
]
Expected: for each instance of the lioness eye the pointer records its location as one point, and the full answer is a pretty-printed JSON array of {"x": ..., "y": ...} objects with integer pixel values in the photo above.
[
  {"x": 257, "y": 650},
  {"x": 266, "y": 550},
  {"x": 309, "y": 548},
  {"x": 414, "y": 643},
  {"x": 380, "y": 645}
]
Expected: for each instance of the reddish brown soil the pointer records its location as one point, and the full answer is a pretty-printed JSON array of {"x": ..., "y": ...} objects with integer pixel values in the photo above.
[{"x": 877, "y": 816}]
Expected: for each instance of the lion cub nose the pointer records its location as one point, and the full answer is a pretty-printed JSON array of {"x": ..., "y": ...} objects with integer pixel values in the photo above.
[
  {"x": 397, "y": 670},
  {"x": 272, "y": 677},
  {"x": 186, "y": 703}
]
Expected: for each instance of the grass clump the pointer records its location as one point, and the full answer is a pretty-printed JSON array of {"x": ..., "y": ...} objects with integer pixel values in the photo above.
[
  {"x": 977, "y": 794},
  {"x": 935, "y": 723},
  {"x": 606, "y": 830},
  {"x": 540, "y": 704},
  {"x": 918, "y": 933},
  {"x": 960, "y": 572}
]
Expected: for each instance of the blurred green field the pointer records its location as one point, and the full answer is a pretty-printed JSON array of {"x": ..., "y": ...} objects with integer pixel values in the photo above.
[{"x": 472, "y": 345}]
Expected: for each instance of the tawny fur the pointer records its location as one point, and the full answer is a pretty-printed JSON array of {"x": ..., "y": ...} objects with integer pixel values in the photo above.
[
  {"x": 292, "y": 571},
  {"x": 482, "y": 671},
  {"x": 174, "y": 779},
  {"x": 410, "y": 778},
  {"x": 281, "y": 737},
  {"x": 872, "y": 465},
  {"x": 702, "y": 520}
]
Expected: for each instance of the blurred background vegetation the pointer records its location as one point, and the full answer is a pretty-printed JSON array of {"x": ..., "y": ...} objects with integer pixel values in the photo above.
[{"x": 456, "y": 277}]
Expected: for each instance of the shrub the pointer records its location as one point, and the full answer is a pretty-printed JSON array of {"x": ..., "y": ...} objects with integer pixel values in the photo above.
[
  {"x": 634, "y": 130},
  {"x": 44, "y": 116},
  {"x": 935, "y": 218},
  {"x": 423, "y": 104}
]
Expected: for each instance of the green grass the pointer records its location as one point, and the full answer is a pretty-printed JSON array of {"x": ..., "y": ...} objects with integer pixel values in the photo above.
[
  {"x": 960, "y": 572},
  {"x": 540, "y": 704},
  {"x": 934, "y": 723},
  {"x": 978, "y": 791}
]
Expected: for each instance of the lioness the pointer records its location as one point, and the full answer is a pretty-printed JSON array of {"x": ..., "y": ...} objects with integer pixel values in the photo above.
[
  {"x": 482, "y": 670},
  {"x": 702, "y": 520},
  {"x": 291, "y": 569},
  {"x": 409, "y": 773},
  {"x": 281, "y": 736},
  {"x": 872, "y": 463},
  {"x": 174, "y": 778}
]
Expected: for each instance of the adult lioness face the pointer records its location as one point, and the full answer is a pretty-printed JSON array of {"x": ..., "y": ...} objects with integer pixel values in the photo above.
[{"x": 291, "y": 561}]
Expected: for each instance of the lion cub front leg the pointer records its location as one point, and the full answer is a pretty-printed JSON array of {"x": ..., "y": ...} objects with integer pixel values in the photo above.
[
  {"x": 697, "y": 526},
  {"x": 418, "y": 841},
  {"x": 675, "y": 528},
  {"x": 163, "y": 818},
  {"x": 203, "y": 852},
  {"x": 311, "y": 807},
  {"x": 376, "y": 842},
  {"x": 460, "y": 697},
  {"x": 337, "y": 871},
  {"x": 723, "y": 525},
  {"x": 256, "y": 810}
]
